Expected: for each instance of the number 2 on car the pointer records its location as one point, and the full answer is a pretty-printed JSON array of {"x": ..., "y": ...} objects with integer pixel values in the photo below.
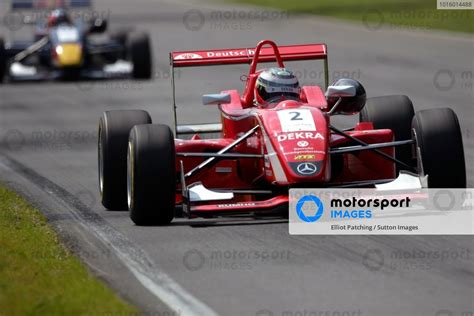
[{"x": 296, "y": 120}]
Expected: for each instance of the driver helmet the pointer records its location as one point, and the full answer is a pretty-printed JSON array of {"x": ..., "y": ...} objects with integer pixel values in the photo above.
[
  {"x": 275, "y": 84},
  {"x": 57, "y": 17}
]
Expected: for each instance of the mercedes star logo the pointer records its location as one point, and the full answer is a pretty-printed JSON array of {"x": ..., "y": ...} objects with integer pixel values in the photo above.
[{"x": 306, "y": 168}]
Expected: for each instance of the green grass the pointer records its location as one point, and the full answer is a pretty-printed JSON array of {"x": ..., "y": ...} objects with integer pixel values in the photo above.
[
  {"x": 396, "y": 14},
  {"x": 38, "y": 275}
]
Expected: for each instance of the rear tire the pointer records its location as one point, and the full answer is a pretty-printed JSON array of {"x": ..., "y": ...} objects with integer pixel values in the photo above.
[
  {"x": 439, "y": 139},
  {"x": 114, "y": 128},
  {"x": 151, "y": 176},
  {"x": 393, "y": 112},
  {"x": 3, "y": 60},
  {"x": 140, "y": 54}
]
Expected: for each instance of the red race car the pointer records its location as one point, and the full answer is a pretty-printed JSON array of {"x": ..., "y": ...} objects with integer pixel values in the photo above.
[{"x": 276, "y": 135}]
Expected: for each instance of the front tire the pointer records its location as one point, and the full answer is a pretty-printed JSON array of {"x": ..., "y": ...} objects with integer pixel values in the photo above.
[
  {"x": 140, "y": 54},
  {"x": 151, "y": 176},
  {"x": 114, "y": 128},
  {"x": 393, "y": 112},
  {"x": 439, "y": 139}
]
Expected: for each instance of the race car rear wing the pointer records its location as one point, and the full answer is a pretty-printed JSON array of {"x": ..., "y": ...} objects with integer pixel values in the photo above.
[
  {"x": 245, "y": 55},
  {"x": 235, "y": 56},
  {"x": 49, "y": 4}
]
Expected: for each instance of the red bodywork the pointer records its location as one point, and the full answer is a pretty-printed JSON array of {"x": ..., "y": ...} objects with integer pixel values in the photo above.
[{"x": 290, "y": 134}]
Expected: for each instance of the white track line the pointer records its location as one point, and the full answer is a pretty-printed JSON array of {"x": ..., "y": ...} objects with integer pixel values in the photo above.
[{"x": 133, "y": 257}]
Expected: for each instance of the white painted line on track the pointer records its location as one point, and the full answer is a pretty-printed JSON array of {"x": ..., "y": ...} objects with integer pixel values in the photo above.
[{"x": 158, "y": 283}]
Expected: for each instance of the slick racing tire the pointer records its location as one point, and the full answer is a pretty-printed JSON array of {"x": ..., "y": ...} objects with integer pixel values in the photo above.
[
  {"x": 3, "y": 61},
  {"x": 439, "y": 139},
  {"x": 393, "y": 112},
  {"x": 151, "y": 176},
  {"x": 114, "y": 128},
  {"x": 140, "y": 54}
]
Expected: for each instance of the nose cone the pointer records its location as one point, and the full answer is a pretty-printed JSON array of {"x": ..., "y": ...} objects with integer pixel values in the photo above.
[
  {"x": 69, "y": 55},
  {"x": 299, "y": 138}
]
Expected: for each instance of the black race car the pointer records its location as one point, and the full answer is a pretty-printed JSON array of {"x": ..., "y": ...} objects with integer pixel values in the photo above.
[{"x": 73, "y": 48}]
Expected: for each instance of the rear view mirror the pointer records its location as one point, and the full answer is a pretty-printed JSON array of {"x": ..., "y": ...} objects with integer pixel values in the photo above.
[
  {"x": 340, "y": 91},
  {"x": 216, "y": 99}
]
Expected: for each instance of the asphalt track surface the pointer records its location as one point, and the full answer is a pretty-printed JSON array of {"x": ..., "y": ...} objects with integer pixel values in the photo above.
[{"x": 239, "y": 266}]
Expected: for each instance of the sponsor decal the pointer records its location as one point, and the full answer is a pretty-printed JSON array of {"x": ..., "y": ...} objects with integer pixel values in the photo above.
[
  {"x": 67, "y": 34},
  {"x": 300, "y": 151},
  {"x": 299, "y": 135},
  {"x": 250, "y": 204},
  {"x": 223, "y": 169},
  {"x": 305, "y": 157},
  {"x": 230, "y": 53},
  {"x": 303, "y": 150},
  {"x": 188, "y": 56},
  {"x": 306, "y": 168},
  {"x": 302, "y": 143}
]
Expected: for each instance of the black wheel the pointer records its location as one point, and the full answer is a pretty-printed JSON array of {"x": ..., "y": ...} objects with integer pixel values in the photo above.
[
  {"x": 439, "y": 140},
  {"x": 140, "y": 54},
  {"x": 151, "y": 176},
  {"x": 393, "y": 112},
  {"x": 3, "y": 60},
  {"x": 114, "y": 128}
]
